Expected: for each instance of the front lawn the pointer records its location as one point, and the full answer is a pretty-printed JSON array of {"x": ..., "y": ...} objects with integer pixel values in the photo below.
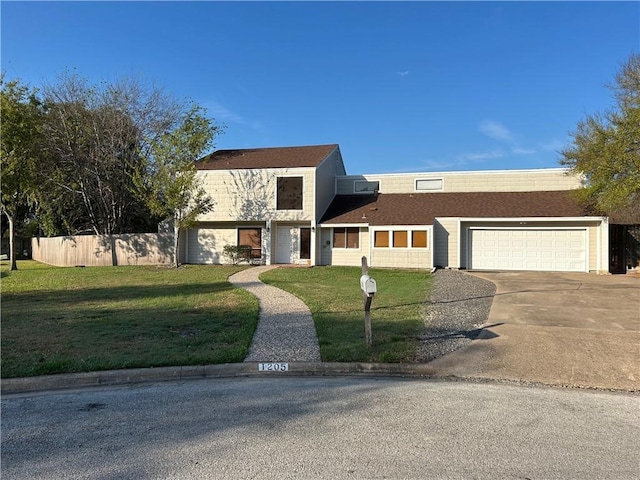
[
  {"x": 335, "y": 300},
  {"x": 58, "y": 320}
]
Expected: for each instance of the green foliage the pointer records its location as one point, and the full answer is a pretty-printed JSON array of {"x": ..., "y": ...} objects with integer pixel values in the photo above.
[
  {"x": 171, "y": 185},
  {"x": 78, "y": 153},
  {"x": 606, "y": 148},
  {"x": 93, "y": 137},
  {"x": 237, "y": 253},
  {"x": 21, "y": 115},
  {"x": 334, "y": 297}
]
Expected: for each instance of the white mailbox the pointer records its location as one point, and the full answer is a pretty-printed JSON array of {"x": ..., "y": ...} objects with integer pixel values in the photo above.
[{"x": 368, "y": 285}]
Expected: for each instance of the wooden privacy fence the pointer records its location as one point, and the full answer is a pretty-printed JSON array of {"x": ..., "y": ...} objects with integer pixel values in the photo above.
[{"x": 104, "y": 250}]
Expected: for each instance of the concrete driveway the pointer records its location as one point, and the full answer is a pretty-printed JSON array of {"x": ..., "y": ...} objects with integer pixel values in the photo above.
[{"x": 573, "y": 329}]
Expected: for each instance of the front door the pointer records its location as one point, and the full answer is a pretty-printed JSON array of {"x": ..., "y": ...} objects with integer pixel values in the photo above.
[{"x": 284, "y": 247}]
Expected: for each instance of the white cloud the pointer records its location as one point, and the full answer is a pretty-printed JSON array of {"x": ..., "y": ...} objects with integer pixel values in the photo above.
[
  {"x": 222, "y": 113},
  {"x": 555, "y": 145},
  {"x": 481, "y": 156},
  {"x": 495, "y": 130},
  {"x": 402, "y": 74},
  {"x": 523, "y": 151}
]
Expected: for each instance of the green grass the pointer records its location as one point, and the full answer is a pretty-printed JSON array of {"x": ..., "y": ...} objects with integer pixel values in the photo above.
[
  {"x": 58, "y": 320},
  {"x": 335, "y": 300}
]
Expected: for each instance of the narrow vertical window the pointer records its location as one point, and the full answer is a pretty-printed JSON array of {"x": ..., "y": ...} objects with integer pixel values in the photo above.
[{"x": 305, "y": 243}]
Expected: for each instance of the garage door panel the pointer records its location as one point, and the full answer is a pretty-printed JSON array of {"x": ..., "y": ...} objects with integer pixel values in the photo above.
[{"x": 528, "y": 249}]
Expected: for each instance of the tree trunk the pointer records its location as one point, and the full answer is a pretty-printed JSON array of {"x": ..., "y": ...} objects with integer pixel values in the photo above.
[
  {"x": 12, "y": 243},
  {"x": 176, "y": 236}
]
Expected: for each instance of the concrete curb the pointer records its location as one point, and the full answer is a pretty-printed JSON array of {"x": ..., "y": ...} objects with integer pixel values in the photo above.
[
  {"x": 167, "y": 374},
  {"x": 52, "y": 383}
]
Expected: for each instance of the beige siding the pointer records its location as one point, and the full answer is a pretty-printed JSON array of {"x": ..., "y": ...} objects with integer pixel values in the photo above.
[
  {"x": 205, "y": 242},
  {"x": 445, "y": 241},
  {"x": 247, "y": 195},
  {"x": 104, "y": 250},
  {"x": 489, "y": 181},
  {"x": 401, "y": 257},
  {"x": 349, "y": 256}
]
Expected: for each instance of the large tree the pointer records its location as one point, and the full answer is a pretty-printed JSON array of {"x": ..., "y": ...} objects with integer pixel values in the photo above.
[
  {"x": 171, "y": 185},
  {"x": 21, "y": 115},
  {"x": 96, "y": 137},
  {"x": 606, "y": 147}
]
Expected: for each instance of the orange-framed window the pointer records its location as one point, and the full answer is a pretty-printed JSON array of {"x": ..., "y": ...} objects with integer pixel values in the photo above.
[
  {"x": 381, "y": 238},
  {"x": 400, "y": 239},
  {"x": 419, "y": 239}
]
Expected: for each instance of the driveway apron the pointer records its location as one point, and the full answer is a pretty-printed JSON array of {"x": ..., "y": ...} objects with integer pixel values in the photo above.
[
  {"x": 285, "y": 331},
  {"x": 574, "y": 329}
]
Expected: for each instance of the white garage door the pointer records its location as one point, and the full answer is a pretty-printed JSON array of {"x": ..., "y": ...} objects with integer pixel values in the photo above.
[{"x": 528, "y": 249}]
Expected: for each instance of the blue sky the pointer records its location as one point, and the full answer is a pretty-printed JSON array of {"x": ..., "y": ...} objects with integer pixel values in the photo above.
[{"x": 401, "y": 86}]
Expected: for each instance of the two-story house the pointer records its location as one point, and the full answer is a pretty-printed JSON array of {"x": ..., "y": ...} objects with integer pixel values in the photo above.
[{"x": 297, "y": 205}]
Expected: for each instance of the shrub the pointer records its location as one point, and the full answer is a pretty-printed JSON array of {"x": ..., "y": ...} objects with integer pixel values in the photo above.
[{"x": 237, "y": 253}]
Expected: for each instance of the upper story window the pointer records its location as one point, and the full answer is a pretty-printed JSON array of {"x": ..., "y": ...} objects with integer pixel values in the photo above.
[
  {"x": 289, "y": 196},
  {"x": 428, "y": 184},
  {"x": 365, "y": 186}
]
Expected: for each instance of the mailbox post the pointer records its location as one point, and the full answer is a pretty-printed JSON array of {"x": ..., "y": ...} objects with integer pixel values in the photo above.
[{"x": 369, "y": 289}]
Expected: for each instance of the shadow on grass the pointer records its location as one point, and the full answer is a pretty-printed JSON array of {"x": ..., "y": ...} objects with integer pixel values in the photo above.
[
  {"x": 342, "y": 338},
  {"x": 60, "y": 298},
  {"x": 62, "y": 331}
]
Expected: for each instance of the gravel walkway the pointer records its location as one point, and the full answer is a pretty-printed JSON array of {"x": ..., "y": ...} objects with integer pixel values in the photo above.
[
  {"x": 285, "y": 330},
  {"x": 459, "y": 306}
]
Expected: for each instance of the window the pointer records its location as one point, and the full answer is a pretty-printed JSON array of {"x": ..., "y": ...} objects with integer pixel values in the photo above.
[
  {"x": 289, "y": 195},
  {"x": 364, "y": 186},
  {"x": 252, "y": 237},
  {"x": 305, "y": 243},
  {"x": 347, "y": 237},
  {"x": 419, "y": 239},
  {"x": 400, "y": 239},
  {"x": 429, "y": 184},
  {"x": 381, "y": 239}
]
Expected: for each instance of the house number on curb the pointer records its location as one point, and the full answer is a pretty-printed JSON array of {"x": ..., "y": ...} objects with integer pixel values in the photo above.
[{"x": 273, "y": 367}]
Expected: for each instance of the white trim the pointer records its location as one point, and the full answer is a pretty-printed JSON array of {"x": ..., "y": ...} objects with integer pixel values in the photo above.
[
  {"x": 459, "y": 245},
  {"x": 338, "y": 225},
  {"x": 400, "y": 228},
  {"x": 416, "y": 189},
  {"x": 530, "y": 219},
  {"x": 460, "y": 172}
]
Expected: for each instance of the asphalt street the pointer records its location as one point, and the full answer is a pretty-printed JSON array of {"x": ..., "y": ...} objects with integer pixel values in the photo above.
[{"x": 324, "y": 428}]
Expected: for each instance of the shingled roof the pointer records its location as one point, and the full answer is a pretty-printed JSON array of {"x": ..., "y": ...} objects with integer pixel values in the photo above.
[
  {"x": 273, "y": 157},
  {"x": 423, "y": 208}
]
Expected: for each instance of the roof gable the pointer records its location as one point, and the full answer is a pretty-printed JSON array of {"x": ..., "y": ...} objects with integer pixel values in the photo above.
[
  {"x": 272, "y": 157},
  {"x": 423, "y": 208}
]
